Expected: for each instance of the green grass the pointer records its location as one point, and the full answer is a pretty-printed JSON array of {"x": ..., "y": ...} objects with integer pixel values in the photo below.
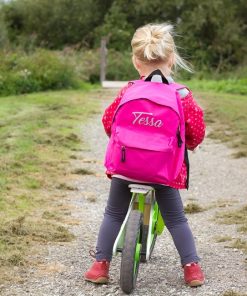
[
  {"x": 38, "y": 134},
  {"x": 238, "y": 217},
  {"x": 192, "y": 208},
  {"x": 233, "y": 293},
  {"x": 230, "y": 86},
  {"x": 226, "y": 115},
  {"x": 221, "y": 239},
  {"x": 239, "y": 244}
]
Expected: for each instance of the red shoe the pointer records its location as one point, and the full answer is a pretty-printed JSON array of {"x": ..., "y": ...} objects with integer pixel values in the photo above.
[
  {"x": 98, "y": 273},
  {"x": 193, "y": 275}
]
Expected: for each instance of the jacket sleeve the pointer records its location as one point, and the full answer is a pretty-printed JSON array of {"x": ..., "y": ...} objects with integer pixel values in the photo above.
[
  {"x": 194, "y": 122},
  {"x": 110, "y": 111}
]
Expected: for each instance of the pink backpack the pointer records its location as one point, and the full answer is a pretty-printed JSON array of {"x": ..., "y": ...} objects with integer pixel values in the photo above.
[{"x": 147, "y": 140}]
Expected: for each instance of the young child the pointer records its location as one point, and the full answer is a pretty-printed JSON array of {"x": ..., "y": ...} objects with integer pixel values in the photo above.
[{"x": 153, "y": 49}]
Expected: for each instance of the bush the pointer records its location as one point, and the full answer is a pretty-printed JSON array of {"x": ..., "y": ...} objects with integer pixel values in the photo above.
[
  {"x": 119, "y": 66},
  {"x": 86, "y": 63},
  {"x": 3, "y": 33},
  {"x": 41, "y": 70}
]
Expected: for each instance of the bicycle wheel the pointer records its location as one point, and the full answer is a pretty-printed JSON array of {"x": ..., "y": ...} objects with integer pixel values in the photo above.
[
  {"x": 131, "y": 252},
  {"x": 144, "y": 243}
]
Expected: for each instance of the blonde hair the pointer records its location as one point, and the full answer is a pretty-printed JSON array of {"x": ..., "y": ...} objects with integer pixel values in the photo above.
[{"x": 154, "y": 43}]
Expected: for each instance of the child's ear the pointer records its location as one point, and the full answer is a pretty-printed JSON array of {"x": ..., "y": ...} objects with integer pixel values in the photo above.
[
  {"x": 136, "y": 63},
  {"x": 171, "y": 61},
  {"x": 133, "y": 61}
]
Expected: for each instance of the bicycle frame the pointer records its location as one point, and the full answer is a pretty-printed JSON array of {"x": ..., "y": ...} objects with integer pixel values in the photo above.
[{"x": 143, "y": 199}]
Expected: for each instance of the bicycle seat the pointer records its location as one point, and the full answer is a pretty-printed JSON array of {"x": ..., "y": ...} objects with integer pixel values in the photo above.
[{"x": 138, "y": 188}]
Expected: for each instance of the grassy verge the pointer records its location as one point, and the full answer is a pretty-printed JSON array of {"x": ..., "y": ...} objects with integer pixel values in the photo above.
[
  {"x": 38, "y": 135},
  {"x": 230, "y": 86},
  {"x": 225, "y": 113},
  {"x": 238, "y": 217}
]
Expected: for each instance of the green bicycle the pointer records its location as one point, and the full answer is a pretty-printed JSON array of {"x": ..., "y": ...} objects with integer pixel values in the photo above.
[{"x": 138, "y": 233}]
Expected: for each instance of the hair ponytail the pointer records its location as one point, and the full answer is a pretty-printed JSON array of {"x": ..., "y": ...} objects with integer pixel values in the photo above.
[{"x": 154, "y": 43}]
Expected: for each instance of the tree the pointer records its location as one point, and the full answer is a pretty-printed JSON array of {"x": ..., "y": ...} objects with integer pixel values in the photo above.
[
  {"x": 54, "y": 24},
  {"x": 117, "y": 27},
  {"x": 212, "y": 33}
]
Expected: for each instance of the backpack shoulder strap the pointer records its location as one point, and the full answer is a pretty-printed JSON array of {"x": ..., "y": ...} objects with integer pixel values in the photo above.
[{"x": 181, "y": 89}]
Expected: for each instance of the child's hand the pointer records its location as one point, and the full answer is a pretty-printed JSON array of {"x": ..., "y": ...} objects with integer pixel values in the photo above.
[{"x": 196, "y": 149}]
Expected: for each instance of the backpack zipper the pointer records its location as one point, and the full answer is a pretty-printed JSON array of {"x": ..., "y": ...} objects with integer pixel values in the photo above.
[
  {"x": 123, "y": 153},
  {"x": 180, "y": 142}
]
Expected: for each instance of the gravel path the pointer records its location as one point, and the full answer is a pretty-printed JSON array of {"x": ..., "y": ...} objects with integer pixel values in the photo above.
[{"x": 217, "y": 182}]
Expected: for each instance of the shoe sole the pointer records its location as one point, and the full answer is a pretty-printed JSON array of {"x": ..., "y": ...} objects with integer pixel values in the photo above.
[
  {"x": 195, "y": 283},
  {"x": 100, "y": 280}
]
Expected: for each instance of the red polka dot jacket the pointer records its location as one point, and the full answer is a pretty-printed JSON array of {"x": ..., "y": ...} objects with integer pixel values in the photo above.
[{"x": 194, "y": 129}]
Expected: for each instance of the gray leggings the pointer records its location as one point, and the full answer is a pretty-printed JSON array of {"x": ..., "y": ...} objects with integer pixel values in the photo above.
[{"x": 171, "y": 208}]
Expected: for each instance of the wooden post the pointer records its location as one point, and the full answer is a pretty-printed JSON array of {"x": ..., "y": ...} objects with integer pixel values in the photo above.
[{"x": 103, "y": 53}]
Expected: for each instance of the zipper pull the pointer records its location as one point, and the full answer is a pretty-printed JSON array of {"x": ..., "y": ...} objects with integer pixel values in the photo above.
[
  {"x": 123, "y": 154},
  {"x": 180, "y": 142}
]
